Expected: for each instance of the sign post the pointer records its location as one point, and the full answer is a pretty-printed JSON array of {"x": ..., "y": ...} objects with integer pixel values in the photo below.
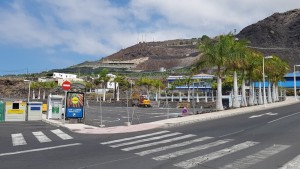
[
  {"x": 66, "y": 86},
  {"x": 75, "y": 105}
]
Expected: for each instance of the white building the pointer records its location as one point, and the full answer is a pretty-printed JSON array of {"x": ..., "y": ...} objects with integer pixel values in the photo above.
[
  {"x": 61, "y": 77},
  {"x": 64, "y": 76},
  {"x": 111, "y": 84}
]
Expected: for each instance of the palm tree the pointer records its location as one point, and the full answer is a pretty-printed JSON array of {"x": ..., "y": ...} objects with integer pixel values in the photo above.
[
  {"x": 145, "y": 81},
  {"x": 43, "y": 86},
  {"x": 103, "y": 79},
  {"x": 253, "y": 63},
  {"x": 172, "y": 87},
  {"x": 216, "y": 54},
  {"x": 178, "y": 82},
  {"x": 39, "y": 86},
  {"x": 33, "y": 86},
  {"x": 122, "y": 83},
  {"x": 258, "y": 77},
  {"x": 269, "y": 67},
  {"x": 51, "y": 85},
  {"x": 236, "y": 62},
  {"x": 157, "y": 84},
  {"x": 89, "y": 85},
  {"x": 276, "y": 69}
]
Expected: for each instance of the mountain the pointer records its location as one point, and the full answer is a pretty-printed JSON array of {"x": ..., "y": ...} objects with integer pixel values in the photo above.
[
  {"x": 278, "y": 34},
  {"x": 149, "y": 56}
]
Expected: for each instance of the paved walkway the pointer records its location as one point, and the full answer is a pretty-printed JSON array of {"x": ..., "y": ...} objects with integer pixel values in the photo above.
[{"x": 85, "y": 129}]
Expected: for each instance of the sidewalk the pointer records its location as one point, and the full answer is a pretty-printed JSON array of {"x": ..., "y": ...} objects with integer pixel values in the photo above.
[{"x": 85, "y": 129}]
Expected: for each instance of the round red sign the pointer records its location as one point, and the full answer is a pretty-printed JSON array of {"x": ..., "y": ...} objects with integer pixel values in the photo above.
[{"x": 66, "y": 85}]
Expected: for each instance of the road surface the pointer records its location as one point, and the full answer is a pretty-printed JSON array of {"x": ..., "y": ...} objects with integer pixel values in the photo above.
[{"x": 263, "y": 139}]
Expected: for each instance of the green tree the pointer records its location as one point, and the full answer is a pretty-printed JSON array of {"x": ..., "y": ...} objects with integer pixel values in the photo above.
[
  {"x": 122, "y": 83},
  {"x": 103, "y": 79},
  {"x": 34, "y": 86},
  {"x": 146, "y": 82},
  {"x": 157, "y": 84},
  {"x": 253, "y": 64},
  {"x": 216, "y": 54},
  {"x": 276, "y": 68},
  {"x": 258, "y": 76},
  {"x": 236, "y": 62},
  {"x": 89, "y": 85}
]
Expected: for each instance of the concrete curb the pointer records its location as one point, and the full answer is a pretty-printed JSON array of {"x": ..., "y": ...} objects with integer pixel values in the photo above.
[
  {"x": 221, "y": 114},
  {"x": 168, "y": 123},
  {"x": 50, "y": 122}
]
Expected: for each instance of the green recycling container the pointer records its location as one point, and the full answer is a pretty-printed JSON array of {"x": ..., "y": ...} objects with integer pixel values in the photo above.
[{"x": 2, "y": 111}]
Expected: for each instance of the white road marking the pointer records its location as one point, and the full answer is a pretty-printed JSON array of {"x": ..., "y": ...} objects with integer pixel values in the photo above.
[
  {"x": 254, "y": 116},
  {"x": 131, "y": 138},
  {"x": 190, "y": 150},
  {"x": 146, "y": 152},
  {"x": 293, "y": 164},
  {"x": 158, "y": 142},
  {"x": 145, "y": 140},
  {"x": 283, "y": 117},
  {"x": 214, "y": 155},
  {"x": 41, "y": 137},
  {"x": 61, "y": 134},
  {"x": 269, "y": 113},
  {"x": 39, "y": 149},
  {"x": 18, "y": 139},
  {"x": 255, "y": 158}
]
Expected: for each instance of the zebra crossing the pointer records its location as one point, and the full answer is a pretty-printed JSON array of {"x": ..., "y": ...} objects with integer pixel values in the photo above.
[
  {"x": 18, "y": 139},
  {"x": 160, "y": 146}
]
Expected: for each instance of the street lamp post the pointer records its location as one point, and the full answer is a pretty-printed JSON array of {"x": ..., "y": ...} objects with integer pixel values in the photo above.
[
  {"x": 264, "y": 87},
  {"x": 295, "y": 92}
]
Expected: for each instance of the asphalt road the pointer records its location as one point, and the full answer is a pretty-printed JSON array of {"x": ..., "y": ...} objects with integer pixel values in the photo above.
[
  {"x": 117, "y": 116},
  {"x": 264, "y": 139}
]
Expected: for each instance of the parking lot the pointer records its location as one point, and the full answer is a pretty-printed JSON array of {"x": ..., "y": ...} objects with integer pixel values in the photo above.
[{"x": 117, "y": 116}]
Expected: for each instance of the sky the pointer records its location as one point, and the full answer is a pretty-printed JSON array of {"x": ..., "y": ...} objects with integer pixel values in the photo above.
[{"x": 40, "y": 35}]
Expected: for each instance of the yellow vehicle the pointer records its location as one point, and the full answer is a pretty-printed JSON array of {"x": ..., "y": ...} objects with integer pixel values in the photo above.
[{"x": 141, "y": 101}]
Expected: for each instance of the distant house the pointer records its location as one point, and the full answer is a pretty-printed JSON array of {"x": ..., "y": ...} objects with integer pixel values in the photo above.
[
  {"x": 111, "y": 84},
  {"x": 64, "y": 76},
  {"x": 59, "y": 78},
  {"x": 287, "y": 83}
]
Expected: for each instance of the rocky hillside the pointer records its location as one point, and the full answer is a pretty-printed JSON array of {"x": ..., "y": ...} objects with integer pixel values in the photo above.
[
  {"x": 13, "y": 88},
  {"x": 278, "y": 34},
  {"x": 151, "y": 56}
]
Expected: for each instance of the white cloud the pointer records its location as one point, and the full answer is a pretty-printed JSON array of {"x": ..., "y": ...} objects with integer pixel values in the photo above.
[
  {"x": 93, "y": 13},
  {"x": 23, "y": 29},
  {"x": 81, "y": 27},
  {"x": 99, "y": 28},
  {"x": 210, "y": 17}
]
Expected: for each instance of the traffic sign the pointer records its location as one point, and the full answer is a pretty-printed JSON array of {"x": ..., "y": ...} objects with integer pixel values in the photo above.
[{"x": 66, "y": 85}]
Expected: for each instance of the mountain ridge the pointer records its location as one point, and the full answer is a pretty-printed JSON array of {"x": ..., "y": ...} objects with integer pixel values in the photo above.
[{"x": 278, "y": 34}]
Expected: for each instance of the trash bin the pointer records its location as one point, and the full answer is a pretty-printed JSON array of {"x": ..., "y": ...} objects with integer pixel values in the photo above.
[
  {"x": 34, "y": 111},
  {"x": 2, "y": 111},
  {"x": 55, "y": 104},
  {"x": 15, "y": 111}
]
